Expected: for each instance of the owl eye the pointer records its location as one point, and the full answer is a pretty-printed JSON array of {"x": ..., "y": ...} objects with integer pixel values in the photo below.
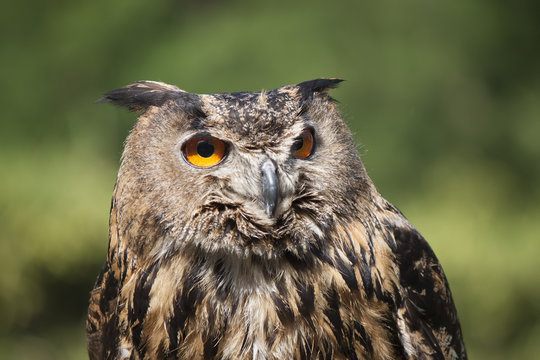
[
  {"x": 204, "y": 151},
  {"x": 303, "y": 145}
]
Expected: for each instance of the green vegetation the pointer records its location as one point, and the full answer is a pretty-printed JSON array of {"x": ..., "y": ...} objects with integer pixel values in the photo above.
[{"x": 443, "y": 98}]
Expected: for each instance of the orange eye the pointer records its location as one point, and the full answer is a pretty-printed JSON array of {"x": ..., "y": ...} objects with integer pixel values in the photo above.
[
  {"x": 204, "y": 151},
  {"x": 303, "y": 145}
]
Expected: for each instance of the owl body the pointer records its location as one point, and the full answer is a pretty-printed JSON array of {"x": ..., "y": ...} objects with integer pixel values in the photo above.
[{"x": 244, "y": 226}]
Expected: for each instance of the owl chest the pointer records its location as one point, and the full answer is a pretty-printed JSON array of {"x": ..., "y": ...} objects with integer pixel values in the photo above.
[{"x": 291, "y": 319}]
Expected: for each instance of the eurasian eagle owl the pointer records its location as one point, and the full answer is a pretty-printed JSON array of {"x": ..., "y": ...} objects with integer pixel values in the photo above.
[{"x": 244, "y": 226}]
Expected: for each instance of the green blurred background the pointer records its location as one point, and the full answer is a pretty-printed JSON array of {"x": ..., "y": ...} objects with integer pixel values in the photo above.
[{"x": 442, "y": 96}]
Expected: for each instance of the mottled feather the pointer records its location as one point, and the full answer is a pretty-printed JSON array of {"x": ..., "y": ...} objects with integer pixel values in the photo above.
[{"x": 197, "y": 269}]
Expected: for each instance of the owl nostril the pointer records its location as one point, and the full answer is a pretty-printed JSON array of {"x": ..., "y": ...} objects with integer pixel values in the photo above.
[{"x": 270, "y": 186}]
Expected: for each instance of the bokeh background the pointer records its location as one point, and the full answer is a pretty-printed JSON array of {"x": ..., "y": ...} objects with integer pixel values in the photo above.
[{"x": 442, "y": 96}]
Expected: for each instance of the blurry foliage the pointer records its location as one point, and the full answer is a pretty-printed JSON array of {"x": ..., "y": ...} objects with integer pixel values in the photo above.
[{"x": 443, "y": 98}]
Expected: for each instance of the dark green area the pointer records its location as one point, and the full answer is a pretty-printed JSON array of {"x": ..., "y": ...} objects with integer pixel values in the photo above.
[{"x": 443, "y": 99}]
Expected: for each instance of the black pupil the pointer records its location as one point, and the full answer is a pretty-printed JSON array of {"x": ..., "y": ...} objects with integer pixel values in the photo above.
[
  {"x": 205, "y": 148},
  {"x": 297, "y": 145}
]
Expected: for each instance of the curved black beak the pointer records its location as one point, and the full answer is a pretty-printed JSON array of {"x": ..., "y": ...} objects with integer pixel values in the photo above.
[{"x": 270, "y": 186}]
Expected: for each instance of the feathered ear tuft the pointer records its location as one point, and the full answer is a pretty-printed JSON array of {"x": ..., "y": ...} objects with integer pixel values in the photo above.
[
  {"x": 142, "y": 94},
  {"x": 307, "y": 88}
]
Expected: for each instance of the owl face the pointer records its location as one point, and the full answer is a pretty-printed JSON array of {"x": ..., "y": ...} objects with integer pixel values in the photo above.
[{"x": 254, "y": 172}]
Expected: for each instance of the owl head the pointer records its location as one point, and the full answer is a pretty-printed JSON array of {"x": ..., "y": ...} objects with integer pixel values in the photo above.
[{"x": 262, "y": 174}]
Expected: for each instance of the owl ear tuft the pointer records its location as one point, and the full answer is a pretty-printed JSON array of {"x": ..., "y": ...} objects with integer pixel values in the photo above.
[
  {"x": 308, "y": 88},
  {"x": 143, "y": 94}
]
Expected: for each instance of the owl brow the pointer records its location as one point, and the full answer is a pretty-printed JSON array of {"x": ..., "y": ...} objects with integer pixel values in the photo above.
[
  {"x": 191, "y": 105},
  {"x": 200, "y": 134},
  {"x": 197, "y": 123}
]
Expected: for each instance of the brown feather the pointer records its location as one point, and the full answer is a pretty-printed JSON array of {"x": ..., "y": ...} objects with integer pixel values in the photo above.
[{"x": 197, "y": 270}]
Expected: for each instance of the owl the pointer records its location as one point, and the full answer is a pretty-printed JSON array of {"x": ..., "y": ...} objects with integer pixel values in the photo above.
[{"x": 244, "y": 226}]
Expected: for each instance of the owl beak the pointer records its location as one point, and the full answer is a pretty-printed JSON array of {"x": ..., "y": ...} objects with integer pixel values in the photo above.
[{"x": 270, "y": 186}]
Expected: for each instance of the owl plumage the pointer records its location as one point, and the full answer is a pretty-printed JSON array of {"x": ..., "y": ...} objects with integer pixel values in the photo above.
[{"x": 244, "y": 226}]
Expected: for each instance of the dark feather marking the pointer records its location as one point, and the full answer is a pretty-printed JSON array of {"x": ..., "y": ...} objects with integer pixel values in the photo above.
[
  {"x": 365, "y": 273},
  {"x": 306, "y": 350},
  {"x": 396, "y": 295},
  {"x": 389, "y": 323},
  {"x": 429, "y": 312},
  {"x": 349, "y": 251},
  {"x": 378, "y": 288},
  {"x": 173, "y": 327},
  {"x": 283, "y": 310},
  {"x": 304, "y": 107},
  {"x": 382, "y": 293},
  {"x": 363, "y": 337},
  {"x": 299, "y": 263},
  {"x": 305, "y": 259},
  {"x": 302, "y": 351},
  {"x": 420, "y": 281},
  {"x": 109, "y": 289},
  {"x": 307, "y": 299},
  {"x": 332, "y": 312},
  {"x": 244, "y": 341},
  {"x": 161, "y": 351},
  {"x": 141, "y": 301},
  {"x": 371, "y": 251},
  {"x": 110, "y": 336},
  {"x": 390, "y": 241},
  {"x": 103, "y": 336},
  {"x": 345, "y": 343},
  {"x": 349, "y": 352},
  {"x": 223, "y": 284},
  {"x": 347, "y": 273},
  {"x": 329, "y": 353},
  {"x": 415, "y": 320},
  {"x": 280, "y": 284},
  {"x": 234, "y": 306},
  {"x": 124, "y": 266},
  {"x": 326, "y": 258},
  {"x": 211, "y": 345},
  {"x": 185, "y": 304}
]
